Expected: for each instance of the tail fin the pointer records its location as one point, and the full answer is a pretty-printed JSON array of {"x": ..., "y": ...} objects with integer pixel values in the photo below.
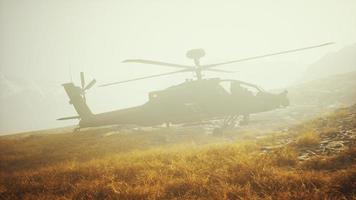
[{"x": 76, "y": 99}]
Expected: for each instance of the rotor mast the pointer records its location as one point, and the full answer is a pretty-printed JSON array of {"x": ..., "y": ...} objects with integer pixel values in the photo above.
[{"x": 196, "y": 54}]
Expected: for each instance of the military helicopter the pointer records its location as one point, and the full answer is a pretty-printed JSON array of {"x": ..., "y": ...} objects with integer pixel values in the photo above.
[{"x": 192, "y": 101}]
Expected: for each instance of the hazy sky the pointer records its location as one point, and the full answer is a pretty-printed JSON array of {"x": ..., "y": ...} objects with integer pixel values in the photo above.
[{"x": 43, "y": 40}]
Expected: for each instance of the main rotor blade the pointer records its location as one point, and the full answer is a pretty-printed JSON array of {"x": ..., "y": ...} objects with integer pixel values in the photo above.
[
  {"x": 66, "y": 118},
  {"x": 219, "y": 70},
  {"x": 90, "y": 85},
  {"x": 146, "y": 77},
  {"x": 266, "y": 55},
  {"x": 152, "y": 62},
  {"x": 82, "y": 80}
]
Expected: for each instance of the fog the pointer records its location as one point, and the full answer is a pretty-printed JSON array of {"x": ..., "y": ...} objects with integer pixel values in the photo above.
[{"x": 51, "y": 42}]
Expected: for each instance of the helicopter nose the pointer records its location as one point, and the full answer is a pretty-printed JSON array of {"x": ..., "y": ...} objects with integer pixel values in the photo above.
[{"x": 284, "y": 101}]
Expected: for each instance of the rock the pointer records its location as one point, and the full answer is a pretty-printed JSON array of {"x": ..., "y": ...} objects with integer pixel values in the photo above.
[
  {"x": 311, "y": 152},
  {"x": 270, "y": 148},
  {"x": 325, "y": 142},
  {"x": 335, "y": 145},
  {"x": 304, "y": 157},
  {"x": 259, "y": 137}
]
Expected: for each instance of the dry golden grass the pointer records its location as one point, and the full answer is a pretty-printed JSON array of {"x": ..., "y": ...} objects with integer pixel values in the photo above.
[
  {"x": 162, "y": 164},
  {"x": 222, "y": 171},
  {"x": 308, "y": 139}
]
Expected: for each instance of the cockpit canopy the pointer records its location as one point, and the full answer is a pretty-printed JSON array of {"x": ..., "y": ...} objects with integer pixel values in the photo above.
[{"x": 234, "y": 87}]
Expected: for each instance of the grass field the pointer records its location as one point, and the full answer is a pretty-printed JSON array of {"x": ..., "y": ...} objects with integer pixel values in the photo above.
[{"x": 166, "y": 164}]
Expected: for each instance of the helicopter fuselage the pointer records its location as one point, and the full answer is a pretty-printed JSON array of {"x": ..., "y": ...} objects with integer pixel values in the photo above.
[{"x": 191, "y": 101}]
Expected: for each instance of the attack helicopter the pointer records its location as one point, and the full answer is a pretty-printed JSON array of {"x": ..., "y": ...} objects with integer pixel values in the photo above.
[{"x": 193, "y": 101}]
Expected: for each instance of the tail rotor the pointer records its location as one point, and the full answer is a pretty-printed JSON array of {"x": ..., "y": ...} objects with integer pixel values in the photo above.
[
  {"x": 77, "y": 98},
  {"x": 84, "y": 88}
]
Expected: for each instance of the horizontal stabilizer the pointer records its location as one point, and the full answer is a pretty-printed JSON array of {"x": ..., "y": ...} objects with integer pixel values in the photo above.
[{"x": 67, "y": 118}]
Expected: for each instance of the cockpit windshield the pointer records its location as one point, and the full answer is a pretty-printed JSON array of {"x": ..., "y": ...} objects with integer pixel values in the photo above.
[
  {"x": 226, "y": 86},
  {"x": 237, "y": 87}
]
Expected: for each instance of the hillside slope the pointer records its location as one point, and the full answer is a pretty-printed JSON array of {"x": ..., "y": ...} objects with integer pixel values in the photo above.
[
  {"x": 308, "y": 100},
  {"x": 333, "y": 90},
  {"x": 166, "y": 164},
  {"x": 340, "y": 62}
]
